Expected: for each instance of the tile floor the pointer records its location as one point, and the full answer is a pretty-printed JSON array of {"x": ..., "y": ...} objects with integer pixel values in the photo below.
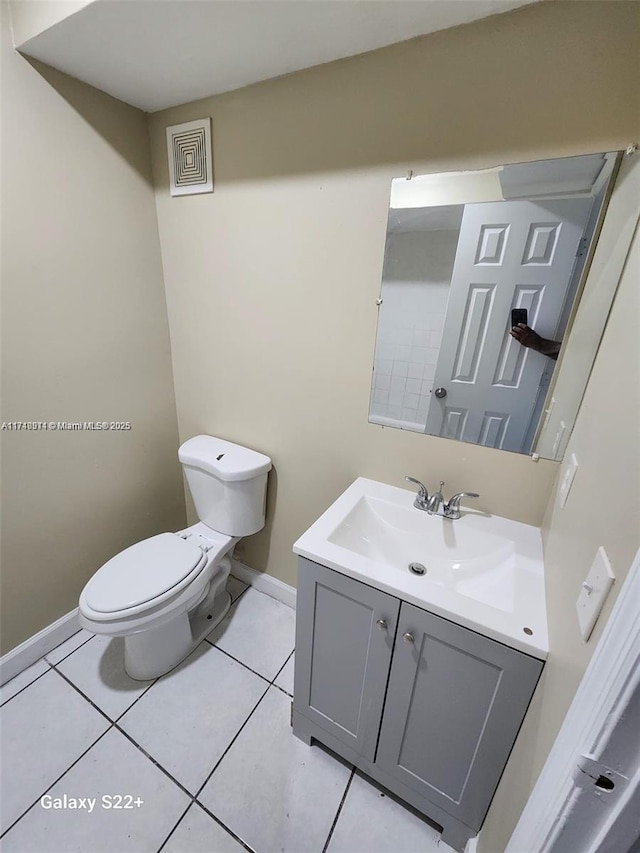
[{"x": 206, "y": 752}]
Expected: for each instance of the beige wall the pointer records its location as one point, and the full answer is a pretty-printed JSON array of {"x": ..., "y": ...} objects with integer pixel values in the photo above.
[
  {"x": 84, "y": 338},
  {"x": 603, "y": 508},
  {"x": 271, "y": 280},
  {"x": 270, "y": 284}
]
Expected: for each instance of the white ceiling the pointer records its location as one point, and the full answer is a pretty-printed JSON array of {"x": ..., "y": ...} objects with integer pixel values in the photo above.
[
  {"x": 159, "y": 53},
  {"x": 410, "y": 219},
  {"x": 566, "y": 177}
]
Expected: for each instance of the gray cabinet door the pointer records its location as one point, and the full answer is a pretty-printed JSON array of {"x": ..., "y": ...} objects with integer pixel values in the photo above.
[
  {"x": 454, "y": 705},
  {"x": 342, "y": 655}
]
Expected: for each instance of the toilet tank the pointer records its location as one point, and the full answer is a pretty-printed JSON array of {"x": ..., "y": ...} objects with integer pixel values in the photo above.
[{"x": 228, "y": 484}]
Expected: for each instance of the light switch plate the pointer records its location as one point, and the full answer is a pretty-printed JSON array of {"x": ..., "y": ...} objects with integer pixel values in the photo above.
[
  {"x": 595, "y": 589},
  {"x": 566, "y": 479}
]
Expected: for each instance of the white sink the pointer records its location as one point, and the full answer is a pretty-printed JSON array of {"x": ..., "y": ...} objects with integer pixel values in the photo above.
[{"x": 481, "y": 571}]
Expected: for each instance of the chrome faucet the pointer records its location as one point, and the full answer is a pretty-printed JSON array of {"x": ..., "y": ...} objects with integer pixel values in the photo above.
[
  {"x": 432, "y": 504},
  {"x": 436, "y": 500}
]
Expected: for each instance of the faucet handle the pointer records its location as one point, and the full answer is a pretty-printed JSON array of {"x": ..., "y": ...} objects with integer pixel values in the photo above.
[
  {"x": 422, "y": 498},
  {"x": 452, "y": 509},
  {"x": 423, "y": 488}
]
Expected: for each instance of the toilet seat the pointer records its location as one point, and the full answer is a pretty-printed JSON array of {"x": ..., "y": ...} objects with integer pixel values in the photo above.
[{"x": 144, "y": 575}]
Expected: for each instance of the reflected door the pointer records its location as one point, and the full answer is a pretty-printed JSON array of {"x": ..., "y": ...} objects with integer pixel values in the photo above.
[{"x": 516, "y": 254}]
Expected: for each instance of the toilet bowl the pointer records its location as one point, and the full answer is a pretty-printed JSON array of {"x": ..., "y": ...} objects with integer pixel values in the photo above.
[{"x": 166, "y": 593}]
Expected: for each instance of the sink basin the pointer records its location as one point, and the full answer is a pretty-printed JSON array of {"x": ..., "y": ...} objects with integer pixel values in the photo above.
[
  {"x": 481, "y": 571},
  {"x": 396, "y": 534}
]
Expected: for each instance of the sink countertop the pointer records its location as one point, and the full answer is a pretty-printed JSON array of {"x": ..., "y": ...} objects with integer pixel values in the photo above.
[{"x": 483, "y": 572}]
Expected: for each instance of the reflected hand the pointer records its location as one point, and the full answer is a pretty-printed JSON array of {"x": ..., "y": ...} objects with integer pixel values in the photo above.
[
  {"x": 526, "y": 336},
  {"x": 532, "y": 340}
]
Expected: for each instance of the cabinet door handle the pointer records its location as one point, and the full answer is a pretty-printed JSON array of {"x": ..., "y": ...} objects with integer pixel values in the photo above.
[
  {"x": 381, "y": 625},
  {"x": 408, "y": 638}
]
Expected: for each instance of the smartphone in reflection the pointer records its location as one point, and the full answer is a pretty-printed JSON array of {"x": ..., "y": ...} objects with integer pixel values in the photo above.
[{"x": 519, "y": 315}]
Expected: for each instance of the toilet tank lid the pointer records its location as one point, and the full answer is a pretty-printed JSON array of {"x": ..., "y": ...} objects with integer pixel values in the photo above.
[{"x": 223, "y": 459}]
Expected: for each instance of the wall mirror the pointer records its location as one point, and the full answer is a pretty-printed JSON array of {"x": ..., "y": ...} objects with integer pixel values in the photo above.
[{"x": 469, "y": 255}]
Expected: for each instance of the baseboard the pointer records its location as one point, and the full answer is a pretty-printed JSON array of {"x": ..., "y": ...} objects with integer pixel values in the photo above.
[
  {"x": 37, "y": 646},
  {"x": 44, "y": 641},
  {"x": 264, "y": 583}
]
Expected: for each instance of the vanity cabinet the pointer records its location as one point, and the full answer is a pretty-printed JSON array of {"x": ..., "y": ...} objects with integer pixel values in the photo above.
[
  {"x": 344, "y": 642},
  {"x": 427, "y": 708}
]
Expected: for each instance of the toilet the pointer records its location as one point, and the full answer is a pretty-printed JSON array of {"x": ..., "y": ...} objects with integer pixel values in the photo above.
[{"x": 166, "y": 593}]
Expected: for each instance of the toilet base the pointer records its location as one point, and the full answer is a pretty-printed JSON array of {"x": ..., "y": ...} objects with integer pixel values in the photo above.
[{"x": 152, "y": 653}]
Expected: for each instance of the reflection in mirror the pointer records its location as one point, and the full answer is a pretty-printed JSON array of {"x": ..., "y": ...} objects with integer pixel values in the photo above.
[{"x": 482, "y": 274}]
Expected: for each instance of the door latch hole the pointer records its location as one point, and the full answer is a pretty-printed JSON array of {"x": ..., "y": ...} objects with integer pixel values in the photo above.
[{"x": 605, "y": 783}]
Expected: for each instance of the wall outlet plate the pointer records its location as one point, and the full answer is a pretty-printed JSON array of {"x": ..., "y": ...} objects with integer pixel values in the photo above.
[
  {"x": 566, "y": 479},
  {"x": 593, "y": 593}
]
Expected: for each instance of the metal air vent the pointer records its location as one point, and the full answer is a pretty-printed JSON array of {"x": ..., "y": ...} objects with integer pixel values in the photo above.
[{"x": 190, "y": 159}]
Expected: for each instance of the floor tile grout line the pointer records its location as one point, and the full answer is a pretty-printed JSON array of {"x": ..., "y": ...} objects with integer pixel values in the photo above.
[
  {"x": 92, "y": 637},
  {"x": 84, "y": 695},
  {"x": 237, "y": 734},
  {"x": 230, "y": 744},
  {"x": 273, "y": 683},
  {"x": 335, "y": 820},
  {"x": 115, "y": 720},
  {"x": 225, "y": 827},
  {"x": 283, "y": 665},
  {"x": 154, "y": 761},
  {"x": 22, "y": 689},
  {"x": 137, "y": 699},
  {"x": 55, "y": 782},
  {"x": 180, "y": 819},
  {"x": 120, "y": 716},
  {"x": 48, "y": 663},
  {"x": 237, "y": 660},
  {"x": 194, "y": 797},
  {"x": 113, "y": 724}
]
